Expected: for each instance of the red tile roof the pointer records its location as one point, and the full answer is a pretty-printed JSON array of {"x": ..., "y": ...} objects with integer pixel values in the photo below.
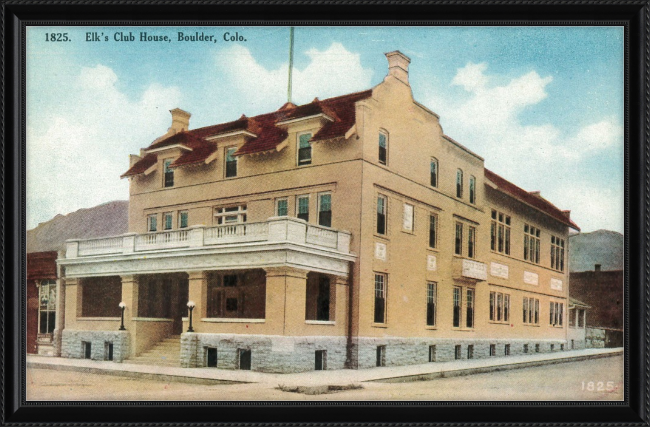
[
  {"x": 268, "y": 135},
  {"x": 141, "y": 165},
  {"x": 535, "y": 201}
]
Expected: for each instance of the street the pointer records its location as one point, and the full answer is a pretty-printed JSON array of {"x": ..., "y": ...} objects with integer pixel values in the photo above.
[{"x": 591, "y": 380}]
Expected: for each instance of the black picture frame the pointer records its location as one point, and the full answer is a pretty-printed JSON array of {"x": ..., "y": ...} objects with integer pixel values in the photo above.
[{"x": 633, "y": 15}]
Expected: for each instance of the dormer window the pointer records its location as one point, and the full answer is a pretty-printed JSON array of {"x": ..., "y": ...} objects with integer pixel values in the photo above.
[
  {"x": 169, "y": 173},
  {"x": 231, "y": 162},
  {"x": 304, "y": 149},
  {"x": 383, "y": 148}
]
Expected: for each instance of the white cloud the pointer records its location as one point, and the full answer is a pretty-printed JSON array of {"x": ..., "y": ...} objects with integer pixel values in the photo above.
[
  {"x": 76, "y": 154},
  {"x": 535, "y": 156},
  {"x": 333, "y": 71}
]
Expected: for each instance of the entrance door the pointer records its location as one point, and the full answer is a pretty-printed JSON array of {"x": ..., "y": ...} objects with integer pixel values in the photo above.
[{"x": 179, "y": 301}]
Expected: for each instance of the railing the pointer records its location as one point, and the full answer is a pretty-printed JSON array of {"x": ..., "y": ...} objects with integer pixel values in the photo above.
[
  {"x": 110, "y": 245},
  {"x": 322, "y": 236},
  {"x": 236, "y": 233},
  {"x": 167, "y": 239},
  {"x": 275, "y": 230}
]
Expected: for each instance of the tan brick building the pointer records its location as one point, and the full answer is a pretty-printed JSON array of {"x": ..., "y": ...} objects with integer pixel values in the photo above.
[{"x": 348, "y": 232}]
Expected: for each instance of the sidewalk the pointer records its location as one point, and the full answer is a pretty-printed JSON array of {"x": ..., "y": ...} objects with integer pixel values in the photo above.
[{"x": 318, "y": 378}]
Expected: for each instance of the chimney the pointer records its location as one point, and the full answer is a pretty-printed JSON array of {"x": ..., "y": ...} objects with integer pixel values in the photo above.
[
  {"x": 536, "y": 193},
  {"x": 398, "y": 66},
  {"x": 567, "y": 213},
  {"x": 597, "y": 267},
  {"x": 180, "y": 121}
]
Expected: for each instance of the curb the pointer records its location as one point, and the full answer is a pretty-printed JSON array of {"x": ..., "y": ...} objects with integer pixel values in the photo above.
[
  {"x": 488, "y": 369},
  {"x": 139, "y": 375}
]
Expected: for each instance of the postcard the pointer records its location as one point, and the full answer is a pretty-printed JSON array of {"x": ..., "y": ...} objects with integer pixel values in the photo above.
[{"x": 325, "y": 213}]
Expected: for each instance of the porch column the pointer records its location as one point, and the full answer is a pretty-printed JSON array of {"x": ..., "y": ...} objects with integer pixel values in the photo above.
[
  {"x": 584, "y": 319},
  {"x": 198, "y": 292},
  {"x": 59, "y": 316},
  {"x": 341, "y": 305},
  {"x": 286, "y": 293},
  {"x": 73, "y": 302},
  {"x": 130, "y": 291}
]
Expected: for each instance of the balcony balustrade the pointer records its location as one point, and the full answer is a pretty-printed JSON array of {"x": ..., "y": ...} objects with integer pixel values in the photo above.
[{"x": 274, "y": 230}]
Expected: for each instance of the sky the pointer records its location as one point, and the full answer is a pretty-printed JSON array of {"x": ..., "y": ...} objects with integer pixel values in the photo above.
[{"x": 544, "y": 106}]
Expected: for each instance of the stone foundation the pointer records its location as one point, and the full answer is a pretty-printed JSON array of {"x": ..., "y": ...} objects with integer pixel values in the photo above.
[
  {"x": 72, "y": 344},
  {"x": 297, "y": 354},
  {"x": 413, "y": 351},
  {"x": 268, "y": 353}
]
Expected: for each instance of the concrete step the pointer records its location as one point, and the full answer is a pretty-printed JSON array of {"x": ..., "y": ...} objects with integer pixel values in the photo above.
[{"x": 167, "y": 352}]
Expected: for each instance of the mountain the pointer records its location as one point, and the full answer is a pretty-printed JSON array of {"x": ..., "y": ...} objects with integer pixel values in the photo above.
[
  {"x": 603, "y": 247},
  {"x": 108, "y": 219}
]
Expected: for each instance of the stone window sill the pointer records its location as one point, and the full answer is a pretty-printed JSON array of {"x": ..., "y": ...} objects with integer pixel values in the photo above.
[
  {"x": 320, "y": 322},
  {"x": 98, "y": 319},
  {"x": 379, "y": 325},
  {"x": 431, "y": 328},
  {"x": 151, "y": 319},
  {"x": 228, "y": 320}
]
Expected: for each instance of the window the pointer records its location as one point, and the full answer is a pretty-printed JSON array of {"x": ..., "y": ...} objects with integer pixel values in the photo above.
[
  {"x": 472, "y": 189},
  {"x": 581, "y": 318},
  {"x": 245, "y": 357},
  {"x": 470, "y": 351},
  {"x": 230, "y": 215},
  {"x": 531, "y": 243},
  {"x": 469, "y": 321},
  {"x": 212, "y": 357},
  {"x": 381, "y": 355},
  {"x": 303, "y": 207},
  {"x": 167, "y": 220},
  {"x": 434, "y": 172},
  {"x": 471, "y": 241},
  {"x": 47, "y": 307},
  {"x": 325, "y": 209},
  {"x": 499, "y": 307},
  {"x": 457, "y": 352},
  {"x": 536, "y": 348},
  {"x": 458, "y": 247},
  {"x": 108, "y": 350},
  {"x": 557, "y": 253},
  {"x": 432, "y": 294},
  {"x": 320, "y": 360},
  {"x": 383, "y": 148},
  {"x": 531, "y": 311},
  {"x": 432, "y": 353},
  {"x": 169, "y": 173},
  {"x": 433, "y": 230},
  {"x": 408, "y": 217},
  {"x": 231, "y": 162},
  {"x": 493, "y": 349},
  {"x": 552, "y": 347},
  {"x": 506, "y": 350},
  {"x": 457, "y": 306},
  {"x": 459, "y": 183},
  {"x": 380, "y": 298},
  {"x": 381, "y": 214},
  {"x": 281, "y": 207},
  {"x": 304, "y": 149},
  {"x": 86, "y": 346},
  {"x": 152, "y": 222},
  {"x": 525, "y": 348},
  {"x": 556, "y": 313},
  {"x": 500, "y": 232},
  {"x": 182, "y": 219}
]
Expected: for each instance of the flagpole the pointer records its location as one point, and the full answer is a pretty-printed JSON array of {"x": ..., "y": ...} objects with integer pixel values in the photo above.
[{"x": 290, "y": 62}]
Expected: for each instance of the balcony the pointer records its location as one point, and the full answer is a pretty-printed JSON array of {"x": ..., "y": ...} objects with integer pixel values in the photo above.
[
  {"x": 277, "y": 241},
  {"x": 468, "y": 269}
]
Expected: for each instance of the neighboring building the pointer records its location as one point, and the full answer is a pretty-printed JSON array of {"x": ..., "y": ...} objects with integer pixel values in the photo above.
[
  {"x": 603, "y": 291},
  {"x": 46, "y": 243},
  {"x": 577, "y": 324},
  {"x": 41, "y": 290},
  {"x": 348, "y": 232}
]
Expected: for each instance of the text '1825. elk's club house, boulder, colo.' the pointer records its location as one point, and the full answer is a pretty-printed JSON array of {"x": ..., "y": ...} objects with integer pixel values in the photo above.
[{"x": 348, "y": 232}]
